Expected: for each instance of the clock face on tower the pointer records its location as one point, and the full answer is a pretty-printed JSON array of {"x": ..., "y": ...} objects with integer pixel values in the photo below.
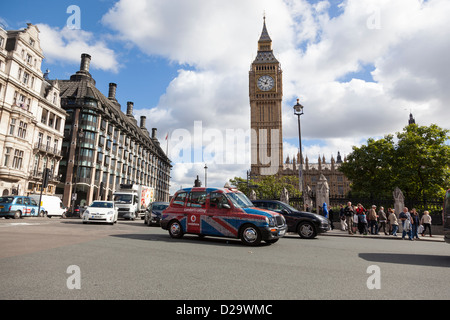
[{"x": 265, "y": 83}]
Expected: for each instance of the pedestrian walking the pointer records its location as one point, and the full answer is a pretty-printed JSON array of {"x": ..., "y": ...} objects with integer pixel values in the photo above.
[
  {"x": 405, "y": 217},
  {"x": 349, "y": 213},
  {"x": 342, "y": 217},
  {"x": 426, "y": 222},
  {"x": 331, "y": 217},
  {"x": 382, "y": 220},
  {"x": 415, "y": 224},
  {"x": 359, "y": 219},
  {"x": 325, "y": 210},
  {"x": 389, "y": 226},
  {"x": 373, "y": 220},
  {"x": 362, "y": 223},
  {"x": 393, "y": 222}
]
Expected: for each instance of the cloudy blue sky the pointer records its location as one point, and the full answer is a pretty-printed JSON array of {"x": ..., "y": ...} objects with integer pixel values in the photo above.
[{"x": 358, "y": 66}]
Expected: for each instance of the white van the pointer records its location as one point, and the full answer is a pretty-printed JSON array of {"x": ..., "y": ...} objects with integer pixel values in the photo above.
[{"x": 53, "y": 205}]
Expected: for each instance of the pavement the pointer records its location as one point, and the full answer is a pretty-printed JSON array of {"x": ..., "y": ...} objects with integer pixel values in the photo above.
[{"x": 336, "y": 232}]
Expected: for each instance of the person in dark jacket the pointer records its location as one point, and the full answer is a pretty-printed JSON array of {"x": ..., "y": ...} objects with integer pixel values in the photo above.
[
  {"x": 415, "y": 223},
  {"x": 382, "y": 219}
]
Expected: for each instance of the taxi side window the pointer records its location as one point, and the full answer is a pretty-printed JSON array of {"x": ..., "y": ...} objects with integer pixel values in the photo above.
[
  {"x": 19, "y": 201},
  {"x": 26, "y": 201},
  {"x": 217, "y": 200},
  {"x": 197, "y": 199},
  {"x": 179, "y": 199},
  {"x": 33, "y": 202}
]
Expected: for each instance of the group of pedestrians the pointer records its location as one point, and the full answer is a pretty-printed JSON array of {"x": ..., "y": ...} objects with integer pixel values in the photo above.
[{"x": 359, "y": 219}]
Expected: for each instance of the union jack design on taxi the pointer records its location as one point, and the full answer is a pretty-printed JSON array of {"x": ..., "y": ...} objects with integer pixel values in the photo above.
[{"x": 221, "y": 212}]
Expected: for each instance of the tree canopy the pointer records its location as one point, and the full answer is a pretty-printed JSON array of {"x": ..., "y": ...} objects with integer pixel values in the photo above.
[
  {"x": 268, "y": 187},
  {"x": 417, "y": 162}
]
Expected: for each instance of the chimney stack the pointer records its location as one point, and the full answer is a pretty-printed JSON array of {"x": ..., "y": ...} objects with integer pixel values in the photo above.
[
  {"x": 112, "y": 91},
  {"x": 154, "y": 133},
  {"x": 130, "y": 108},
  {"x": 85, "y": 62},
  {"x": 83, "y": 74},
  {"x": 143, "y": 119}
]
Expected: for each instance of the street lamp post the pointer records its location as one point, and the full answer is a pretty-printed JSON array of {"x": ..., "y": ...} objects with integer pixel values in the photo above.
[
  {"x": 298, "y": 111},
  {"x": 206, "y": 181}
]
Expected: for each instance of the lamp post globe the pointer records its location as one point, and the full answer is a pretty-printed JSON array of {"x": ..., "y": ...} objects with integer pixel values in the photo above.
[
  {"x": 298, "y": 111},
  {"x": 298, "y": 108}
]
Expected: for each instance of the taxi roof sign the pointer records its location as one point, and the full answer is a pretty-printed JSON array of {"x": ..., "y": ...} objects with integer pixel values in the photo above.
[{"x": 229, "y": 187}]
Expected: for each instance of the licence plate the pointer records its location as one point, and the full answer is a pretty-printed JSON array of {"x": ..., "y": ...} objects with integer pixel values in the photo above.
[
  {"x": 97, "y": 217},
  {"x": 281, "y": 233}
]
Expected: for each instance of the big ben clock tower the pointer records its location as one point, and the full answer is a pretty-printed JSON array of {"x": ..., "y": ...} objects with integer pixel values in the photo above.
[{"x": 266, "y": 92}]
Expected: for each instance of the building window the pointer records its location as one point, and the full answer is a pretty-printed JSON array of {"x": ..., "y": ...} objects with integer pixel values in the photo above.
[
  {"x": 12, "y": 126},
  {"x": 44, "y": 116},
  {"x": 40, "y": 138},
  {"x": 55, "y": 146},
  {"x": 23, "y": 130},
  {"x": 17, "y": 160},
  {"x": 25, "y": 78},
  {"x": 51, "y": 120},
  {"x": 7, "y": 155}
]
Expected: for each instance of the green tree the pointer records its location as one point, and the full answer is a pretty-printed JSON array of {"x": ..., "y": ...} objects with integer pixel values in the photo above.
[
  {"x": 418, "y": 164},
  {"x": 268, "y": 187},
  {"x": 370, "y": 167},
  {"x": 423, "y": 161}
]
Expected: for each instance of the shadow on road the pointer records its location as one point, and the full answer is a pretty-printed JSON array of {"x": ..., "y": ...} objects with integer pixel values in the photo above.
[
  {"x": 186, "y": 239},
  {"x": 411, "y": 259}
]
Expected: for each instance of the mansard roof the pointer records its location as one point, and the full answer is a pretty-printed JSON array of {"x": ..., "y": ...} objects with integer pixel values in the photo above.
[{"x": 80, "y": 89}]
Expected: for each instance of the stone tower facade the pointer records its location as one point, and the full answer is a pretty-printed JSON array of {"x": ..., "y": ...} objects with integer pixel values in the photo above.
[{"x": 266, "y": 93}]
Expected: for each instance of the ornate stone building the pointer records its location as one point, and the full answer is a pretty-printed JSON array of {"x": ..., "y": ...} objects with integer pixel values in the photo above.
[
  {"x": 338, "y": 183},
  {"x": 104, "y": 147},
  {"x": 266, "y": 93},
  {"x": 31, "y": 118}
]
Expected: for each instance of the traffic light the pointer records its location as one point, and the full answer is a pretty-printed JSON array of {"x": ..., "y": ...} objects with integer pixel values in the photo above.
[{"x": 46, "y": 178}]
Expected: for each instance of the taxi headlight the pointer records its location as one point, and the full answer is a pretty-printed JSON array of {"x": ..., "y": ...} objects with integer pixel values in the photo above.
[
  {"x": 270, "y": 221},
  {"x": 86, "y": 212},
  {"x": 110, "y": 212}
]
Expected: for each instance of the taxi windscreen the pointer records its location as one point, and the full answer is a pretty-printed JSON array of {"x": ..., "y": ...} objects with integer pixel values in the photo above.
[{"x": 240, "y": 200}]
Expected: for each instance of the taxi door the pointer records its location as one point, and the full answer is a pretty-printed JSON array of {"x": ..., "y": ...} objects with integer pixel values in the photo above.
[
  {"x": 219, "y": 220},
  {"x": 19, "y": 205},
  {"x": 195, "y": 211},
  {"x": 31, "y": 210}
]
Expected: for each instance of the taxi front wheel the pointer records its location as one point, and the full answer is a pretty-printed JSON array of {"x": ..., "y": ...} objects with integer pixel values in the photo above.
[
  {"x": 175, "y": 230},
  {"x": 250, "y": 235}
]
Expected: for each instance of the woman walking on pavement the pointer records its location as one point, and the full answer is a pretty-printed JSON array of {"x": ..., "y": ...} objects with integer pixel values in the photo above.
[
  {"x": 393, "y": 222},
  {"x": 426, "y": 222},
  {"x": 405, "y": 217}
]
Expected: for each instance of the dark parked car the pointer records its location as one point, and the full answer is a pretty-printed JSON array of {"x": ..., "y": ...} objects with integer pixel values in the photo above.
[
  {"x": 153, "y": 213},
  {"x": 306, "y": 224}
]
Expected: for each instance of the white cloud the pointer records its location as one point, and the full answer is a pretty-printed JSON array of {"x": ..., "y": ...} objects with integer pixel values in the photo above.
[
  {"x": 405, "y": 42},
  {"x": 67, "y": 45}
]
